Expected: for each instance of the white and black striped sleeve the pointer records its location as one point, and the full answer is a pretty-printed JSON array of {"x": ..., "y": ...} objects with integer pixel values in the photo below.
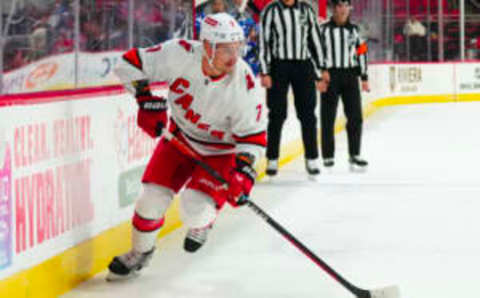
[
  {"x": 266, "y": 39},
  {"x": 328, "y": 46},
  {"x": 314, "y": 44},
  {"x": 323, "y": 62},
  {"x": 361, "y": 56}
]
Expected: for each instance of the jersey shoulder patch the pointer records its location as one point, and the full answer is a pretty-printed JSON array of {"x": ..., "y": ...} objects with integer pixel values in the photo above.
[
  {"x": 133, "y": 57},
  {"x": 245, "y": 75},
  {"x": 250, "y": 80},
  {"x": 186, "y": 45}
]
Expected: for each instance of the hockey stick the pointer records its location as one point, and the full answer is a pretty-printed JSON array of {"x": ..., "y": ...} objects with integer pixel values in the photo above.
[{"x": 386, "y": 292}]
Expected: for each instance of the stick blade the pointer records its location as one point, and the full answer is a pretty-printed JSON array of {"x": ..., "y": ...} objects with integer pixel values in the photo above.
[{"x": 386, "y": 292}]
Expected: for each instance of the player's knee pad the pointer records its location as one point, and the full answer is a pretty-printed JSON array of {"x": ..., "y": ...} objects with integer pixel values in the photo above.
[
  {"x": 197, "y": 209},
  {"x": 153, "y": 201}
]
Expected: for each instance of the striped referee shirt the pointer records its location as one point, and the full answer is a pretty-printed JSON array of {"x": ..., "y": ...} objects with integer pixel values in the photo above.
[
  {"x": 343, "y": 48},
  {"x": 289, "y": 33}
]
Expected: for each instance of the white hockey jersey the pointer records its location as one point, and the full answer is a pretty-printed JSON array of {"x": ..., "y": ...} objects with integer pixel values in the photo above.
[{"x": 216, "y": 116}]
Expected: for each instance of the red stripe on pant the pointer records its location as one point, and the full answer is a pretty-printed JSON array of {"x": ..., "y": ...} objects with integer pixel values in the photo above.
[{"x": 147, "y": 225}]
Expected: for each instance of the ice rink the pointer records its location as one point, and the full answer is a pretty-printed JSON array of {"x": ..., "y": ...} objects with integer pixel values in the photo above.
[{"x": 411, "y": 220}]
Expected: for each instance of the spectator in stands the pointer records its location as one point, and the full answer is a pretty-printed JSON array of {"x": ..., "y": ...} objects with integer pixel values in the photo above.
[
  {"x": 399, "y": 47},
  {"x": 64, "y": 42},
  {"x": 19, "y": 59},
  {"x": 238, "y": 7},
  {"x": 252, "y": 50},
  {"x": 39, "y": 39},
  {"x": 93, "y": 38},
  {"x": 183, "y": 21},
  {"x": 415, "y": 31},
  {"x": 13, "y": 57},
  {"x": 218, "y": 6},
  {"x": 150, "y": 23},
  {"x": 244, "y": 17},
  {"x": 241, "y": 10},
  {"x": 478, "y": 48},
  {"x": 61, "y": 16},
  {"x": 215, "y": 6},
  {"x": 473, "y": 51}
]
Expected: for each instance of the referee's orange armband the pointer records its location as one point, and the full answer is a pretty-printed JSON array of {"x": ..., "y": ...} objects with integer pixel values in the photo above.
[{"x": 362, "y": 49}]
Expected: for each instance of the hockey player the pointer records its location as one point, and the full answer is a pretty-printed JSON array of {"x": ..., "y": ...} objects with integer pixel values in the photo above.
[{"x": 214, "y": 108}]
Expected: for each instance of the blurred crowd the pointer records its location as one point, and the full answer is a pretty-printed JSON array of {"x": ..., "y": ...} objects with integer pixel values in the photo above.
[
  {"x": 408, "y": 30},
  {"x": 39, "y": 28},
  {"x": 42, "y": 28},
  {"x": 417, "y": 40}
]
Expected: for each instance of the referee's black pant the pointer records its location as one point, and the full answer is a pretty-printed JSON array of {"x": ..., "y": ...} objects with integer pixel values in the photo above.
[
  {"x": 301, "y": 76},
  {"x": 343, "y": 83}
]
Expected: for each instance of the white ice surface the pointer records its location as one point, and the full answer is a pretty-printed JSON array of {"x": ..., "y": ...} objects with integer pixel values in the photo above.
[{"x": 411, "y": 220}]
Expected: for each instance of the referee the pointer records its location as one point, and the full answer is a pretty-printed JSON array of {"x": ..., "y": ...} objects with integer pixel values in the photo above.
[
  {"x": 345, "y": 60},
  {"x": 290, "y": 54}
]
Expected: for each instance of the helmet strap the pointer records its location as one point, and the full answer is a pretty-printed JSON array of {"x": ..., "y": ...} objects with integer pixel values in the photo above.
[{"x": 210, "y": 59}]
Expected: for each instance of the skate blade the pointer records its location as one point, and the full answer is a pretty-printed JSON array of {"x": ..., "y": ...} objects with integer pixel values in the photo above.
[
  {"x": 112, "y": 277},
  {"x": 328, "y": 170},
  {"x": 356, "y": 169},
  {"x": 313, "y": 178},
  {"x": 387, "y": 292},
  {"x": 270, "y": 179}
]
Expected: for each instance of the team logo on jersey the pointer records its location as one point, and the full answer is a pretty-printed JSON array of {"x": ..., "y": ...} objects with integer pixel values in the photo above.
[
  {"x": 186, "y": 45},
  {"x": 250, "y": 82},
  {"x": 185, "y": 100}
]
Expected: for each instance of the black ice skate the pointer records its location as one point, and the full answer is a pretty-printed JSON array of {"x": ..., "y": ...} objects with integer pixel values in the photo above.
[
  {"x": 128, "y": 265},
  {"x": 196, "y": 238},
  {"x": 328, "y": 163},
  {"x": 358, "y": 164},
  {"x": 312, "y": 168},
  {"x": 272, "y": 167}
]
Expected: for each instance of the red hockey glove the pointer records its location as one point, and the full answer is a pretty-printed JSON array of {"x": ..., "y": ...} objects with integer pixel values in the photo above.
[
  {"x": 152, "y": 114},
  {"x": 241, "y": 180}
]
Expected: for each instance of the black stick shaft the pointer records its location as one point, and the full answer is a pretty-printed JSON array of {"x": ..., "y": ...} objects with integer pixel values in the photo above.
[
  {"x": 306, "y": 251},
  {"x": 183, "y": 148},
  {"x": 360, "y": 293}
]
